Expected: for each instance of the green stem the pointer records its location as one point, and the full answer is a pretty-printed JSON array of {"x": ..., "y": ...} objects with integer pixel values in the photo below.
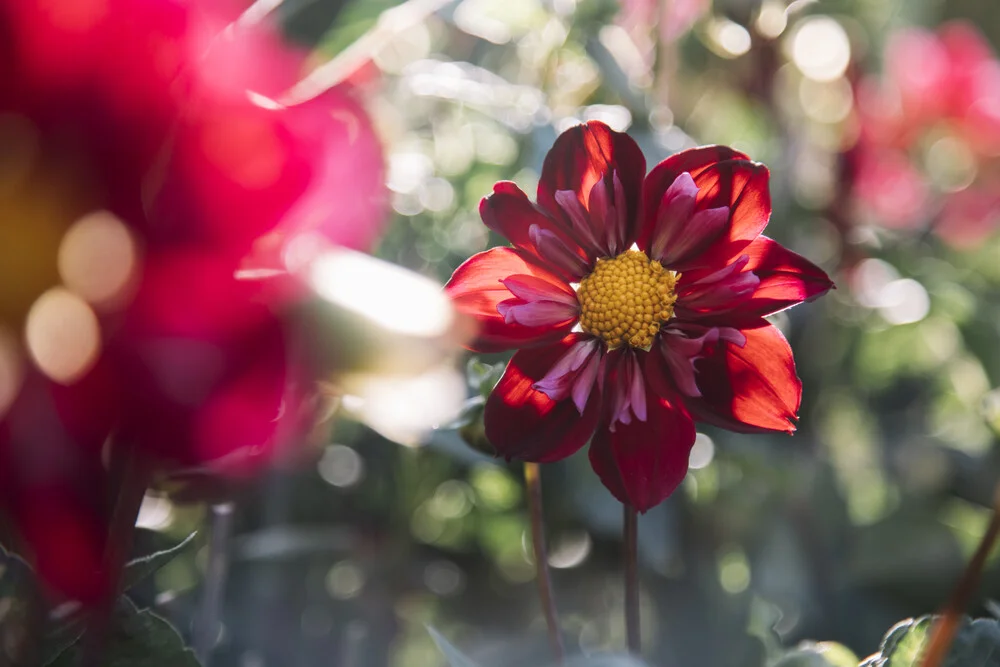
[
  {"x": 133, "y": 479},
  {"x": 533, "y": 481},
  {"x": 631, "y": 539}
]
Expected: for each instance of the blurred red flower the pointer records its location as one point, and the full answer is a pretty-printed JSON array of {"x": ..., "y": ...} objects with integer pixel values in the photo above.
[
  {"x": 144, "y": 166},
  {"x": 636, "y": 304},
  {"x": 930, "y": 131}
]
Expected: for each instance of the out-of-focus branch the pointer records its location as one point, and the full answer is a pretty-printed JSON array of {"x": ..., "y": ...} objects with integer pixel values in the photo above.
[
  {"x": 943, "y": 633},
  {"x": 390, "y": 24}
]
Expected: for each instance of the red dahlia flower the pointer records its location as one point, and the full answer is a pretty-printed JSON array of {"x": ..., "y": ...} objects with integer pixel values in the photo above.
[
  {"x": 142, "y": 170},
  {"x": 636, "y": 303}
]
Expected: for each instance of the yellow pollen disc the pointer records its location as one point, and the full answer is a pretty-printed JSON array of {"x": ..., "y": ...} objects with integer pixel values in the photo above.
[{"x": 627, "y": 299}]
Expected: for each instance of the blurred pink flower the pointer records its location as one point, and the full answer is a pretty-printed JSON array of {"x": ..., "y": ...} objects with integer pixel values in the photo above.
[
  {"x": 945, "y": 82},
  {"x": 674, "y": 17},
  {"x": 143, "y": 164}
]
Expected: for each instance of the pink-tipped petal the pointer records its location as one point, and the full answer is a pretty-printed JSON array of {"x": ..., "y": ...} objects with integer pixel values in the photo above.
[
  {"x": 584, "y": 155},
  {"x": 608, "y": 210},
  {"x": 524, "y": 423},
  {"x": 672, "y": 214},
  {"x": 586, "y": 227},
  {"x": 643, "y": 462},
  {"x": 566, "y": 257},
  {"x": 625, "y": 387},
  {"x": 740, "y": 185},
  {"x": 716, "y": 293},
  {"x": 476, "y": 290},
  {"x": 509, "y": 213},
  {"x": 529, "y": 288},
  {"x": 537, "y": 313},
  {"x": 574, "y": 374},
  {"x": 693, "y": 162},
  {"x": 700, "y": 231},
  {"x": 749, "y": 389}
]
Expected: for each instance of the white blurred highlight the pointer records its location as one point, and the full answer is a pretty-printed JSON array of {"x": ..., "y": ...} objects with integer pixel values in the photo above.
[
  {"x": 570, "y": 549},
  {"x": 11, "y": 370},
  {"x": 405, "y": 409},
  {"x": 772, "y": 19},
  {"x": 155, "y": 513},
  {"x": 398, "y": 300},
  {"x": 63, "y": 335},
  {"x": 729, "y": 38},
  {"x": 877, "y": 285},
  {"x": 904, "y": 301},
  {"x": 702, "y": 452},
  {"x": 98, "y": 259},
  {"x": 820, "y": 48}
]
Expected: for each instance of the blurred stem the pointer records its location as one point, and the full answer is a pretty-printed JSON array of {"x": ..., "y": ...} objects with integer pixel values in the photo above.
[
  {"x": 943, "y": 633},
  {"x": 631, "y": 538},
  {"x": 132, "y": 479},
  {"x": 533, "y": 480},
  {"x": 206, "y": 630}
]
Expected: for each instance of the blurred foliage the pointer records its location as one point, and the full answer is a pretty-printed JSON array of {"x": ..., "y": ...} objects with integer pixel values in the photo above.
[{"x": 864, "y": 517}]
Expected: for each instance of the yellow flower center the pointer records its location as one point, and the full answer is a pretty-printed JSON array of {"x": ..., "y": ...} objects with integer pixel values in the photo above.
[{"x": 627, "y": 299}]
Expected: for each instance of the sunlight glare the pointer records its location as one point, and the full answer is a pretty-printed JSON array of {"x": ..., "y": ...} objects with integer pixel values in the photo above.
[{"x": 396, "y": 299}]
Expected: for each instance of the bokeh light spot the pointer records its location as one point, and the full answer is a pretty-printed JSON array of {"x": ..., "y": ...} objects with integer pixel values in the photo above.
[
  {"x": 734, "y": 572},
  {"x": 444, "y": 578},
  {"x": 570, "y": 549},
  {"x": 63, "y": 335},
  {"x": 732, "y": 39},
  {"x": 341, "y": 466},
  {"x": 98, "y": 259},
  {"x": 820, "y": 48},
  {"x": 702, "y": 452},
  {"x": 345, "y": 580}
]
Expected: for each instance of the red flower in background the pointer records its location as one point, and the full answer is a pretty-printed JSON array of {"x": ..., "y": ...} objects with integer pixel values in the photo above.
[
  {"x": 143, "y": 168},
  {"x": 634, "y": 343},
  {"x": 934, "y": 115}
]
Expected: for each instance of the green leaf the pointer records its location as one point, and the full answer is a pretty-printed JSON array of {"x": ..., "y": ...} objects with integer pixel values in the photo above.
[
  {"x": 977, "y": 644},
  {"x": 139, "y": 638},
  {"x": 482, "y": 376},
  {"x": 454, "y": 657},
  {"x": 818, "y": 654},
  {"x": 138, "y": 569}
]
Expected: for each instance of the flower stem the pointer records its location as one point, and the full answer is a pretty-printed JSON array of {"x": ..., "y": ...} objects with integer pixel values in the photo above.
[
  {"x": 206, "y": 632},
  {"x": 631, "y": 539},
  {"x": 533, "y": 481},
  {"x": 943, "y": 633},
  {"x": 132, "y": 480}
]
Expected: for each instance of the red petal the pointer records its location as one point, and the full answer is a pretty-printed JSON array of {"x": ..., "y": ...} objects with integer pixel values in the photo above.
[
  {"x": 53, "y": 487},
  {"x": 475, "y": 288},
  {"x": 581, "y": 156},
  {"x": 749, "y": 389},
  {"x": 694, "y": 161},
  {"x": 739, "y": 184},
  {"x": 524, "y": 423},
  {"x": 641, "y": 463},
  {"x": 509, "y": 212},
  {"x": 786, "y": 279}
]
